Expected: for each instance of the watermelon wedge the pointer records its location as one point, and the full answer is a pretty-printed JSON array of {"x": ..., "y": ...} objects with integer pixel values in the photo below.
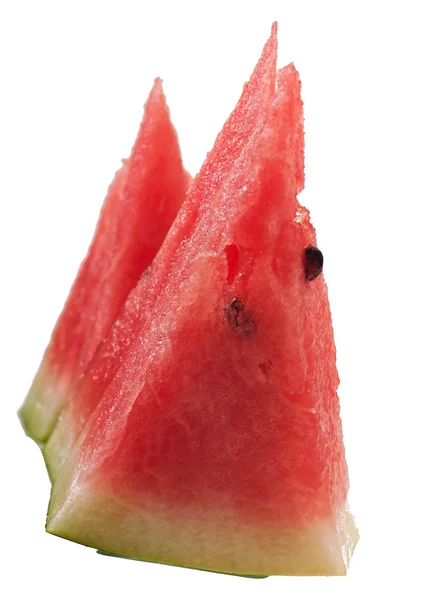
[
  {"x": 137, "y": 309},
  {"x": 217, "y": 443},
  {"x": 139, "y": 209}
]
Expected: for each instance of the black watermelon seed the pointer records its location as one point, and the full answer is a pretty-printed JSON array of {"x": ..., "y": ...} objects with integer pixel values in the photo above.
[
  {"x": 240, "y": 319},
  {"x": 313, "y": 262}
]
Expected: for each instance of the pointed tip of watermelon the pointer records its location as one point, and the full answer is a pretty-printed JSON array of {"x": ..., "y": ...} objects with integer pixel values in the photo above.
[
  {"x": 291, "y": 70},
  {"x": 155, "y": 107},
  {"x": 155, "y": 124},
  {"x": 156, "y": 95},
  {"x": 268, "y": 59},
  {"x": 157, "y": 88},
  {"x": 269, "y": 52},
  {"x": 274, "y": 32}
]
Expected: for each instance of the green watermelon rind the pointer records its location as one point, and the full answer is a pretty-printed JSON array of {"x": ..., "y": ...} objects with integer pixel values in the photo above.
[{"x": 112, "y": 554}]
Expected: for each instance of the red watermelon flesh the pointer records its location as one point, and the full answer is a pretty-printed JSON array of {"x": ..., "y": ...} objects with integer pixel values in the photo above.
[
  {"x": 220, "y": 161},
  {"x": 139, "y": 209},
  {"x": 218, "y": 443}
]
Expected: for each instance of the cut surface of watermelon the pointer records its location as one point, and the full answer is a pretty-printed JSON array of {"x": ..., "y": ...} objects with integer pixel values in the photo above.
[
  {"x": 140, "y": 303},
  {"x": 217, "y": 443},
  {"x": 140, "y": 207}
]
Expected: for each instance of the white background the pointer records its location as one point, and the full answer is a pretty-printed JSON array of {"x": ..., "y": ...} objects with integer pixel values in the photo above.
[{"x": 74, "y": 78}]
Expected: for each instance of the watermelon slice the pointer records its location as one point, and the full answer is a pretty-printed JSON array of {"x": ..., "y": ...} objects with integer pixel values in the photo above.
[
  {"x": 140, "y": 207},
  {"x": 111, "y": 352},
  {"x": 217, "y": 443}
]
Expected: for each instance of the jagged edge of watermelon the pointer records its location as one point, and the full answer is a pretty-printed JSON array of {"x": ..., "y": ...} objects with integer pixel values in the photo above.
[{"x": 113, "y": 555}]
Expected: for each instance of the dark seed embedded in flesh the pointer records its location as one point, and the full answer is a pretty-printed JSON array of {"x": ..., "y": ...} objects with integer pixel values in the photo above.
[
  {"x": 313, "y": 263},
  {"x": 240, "y": 319}
]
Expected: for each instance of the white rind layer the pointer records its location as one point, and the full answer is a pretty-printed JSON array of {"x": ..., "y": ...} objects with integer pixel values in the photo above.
[
  {"x": 42, "y": 406},
  {"x": 216, "y": 541},
  {"x": 60, "y": 444}
]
